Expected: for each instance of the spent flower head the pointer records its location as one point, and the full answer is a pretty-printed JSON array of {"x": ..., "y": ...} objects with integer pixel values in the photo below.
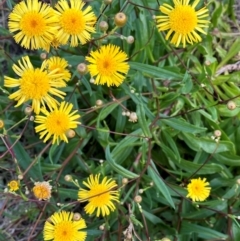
[{"x": 42, "y": 190}]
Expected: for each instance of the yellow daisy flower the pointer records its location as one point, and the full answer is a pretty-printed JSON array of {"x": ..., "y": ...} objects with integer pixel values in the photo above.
[
  {"x": 35, "y": 84},
  {"x": 60, "y": 65},
  {"x": 42, "y": 190},
  {"x": 100, "y": 195},
  {"x": 34, "y": 24},
  {"x": 13, "y": 185},
  {"x": 107, "y": 65},
  {"x": 75, "y": 24},
  {"x": 54, "y": 43},
  {"x": 182, "y": 21},
  {"x": 198, "y": 189},
  {"x": 61, "y": 226},
  {"x": 56, "y": 123}
]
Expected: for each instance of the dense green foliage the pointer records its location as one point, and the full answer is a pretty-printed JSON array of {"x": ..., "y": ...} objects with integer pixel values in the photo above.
[{"x": 181, "y": 97}]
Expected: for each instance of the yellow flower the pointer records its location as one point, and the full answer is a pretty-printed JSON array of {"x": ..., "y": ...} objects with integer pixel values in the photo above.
[
  {"x": 182, "y": 21},
  {"x": 100, "y": 196},
  {"x": 56, "y": 123},
  {"x": 107, "y": 65},
  {"x": 75, "y": 24},
  {"x": 2, "y": 124},
  {"x": 13, "y": 185},
  {"x": 198, "y": 189},
  {"x": 34, "y": 24},
  {"x": 35, "y": 85},
  {"x": 61, "y": 226},
  {"x": 42, "y": 190},
  {"x": 60, "y": 65},
  {"x": 54, "y": 43}
]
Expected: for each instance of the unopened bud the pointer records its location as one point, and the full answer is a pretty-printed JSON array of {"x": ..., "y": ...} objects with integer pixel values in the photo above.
[
  {"x": 82, "y": 68},
  {"x": 102, "y": 227},
  {"x": 70, "y": 133},
  {"x": 124, "y": 181},
  {"x": 120, "y": 19},
  {"x": 140, "y": 191},
  {"x": 217, "y": 133},
  {"x": 130, "y": 39},
  {"x": 138, "y": 199},
  {"x": 92, "y": 80},
  {"x": 107, "y": 1},
  {"x": 28, "y": 110},
  {"x": 68, "y": 178},
  {"x": 238, "y": 181},
  {"x": 165, "y": 239},
  {"x": 76, "y": 216},
  {"x": 231, "y": 105},
  {"x": 103, "y": 25},
  {"x": 99, "y": 102},
  {"x": 43, "y": 56},
  {"x": 31, "y": 118},
  {"x": 20, "y": 177}
]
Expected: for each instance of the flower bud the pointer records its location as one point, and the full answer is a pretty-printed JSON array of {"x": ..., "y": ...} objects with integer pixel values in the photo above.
[
  {"x": 99, "y": 103},
  {"x": 103, "y": 25},
  {"x": 138, "y": 199},
  {"x": 124, "y": 181},
  {"x": 120, "y": 19},
  {"x": 102, "y": 227},
  {"x": 31, "y": 118},
  {"x": 82, "y": 68},
  {"x": 130, "y": 39},
  {"x": 231, "y": 105},
  {"x": 70, "y": 133},
  {"x": 76, "y": 216},
  {"x": 217, "y": 133},
  {"x": 165, "y": 239},
  {"x": 28, "y": 110},
  {"x": 107, "y": 1},
  {"x": 43, "y": 56},
  {"x": 68, "y": 178},
  {"x": 20, "y": 177}
]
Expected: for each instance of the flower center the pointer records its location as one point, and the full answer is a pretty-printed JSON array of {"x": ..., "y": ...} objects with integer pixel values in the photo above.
[
  {"x": 41, "y": 192},
  {"x": 101, "y": 195},
  {"x": 106, "y": 67},
  {"x": 64, "y": 231},
  {"x": 72, "y": 21},
  {"x": 57, "y": 123},
  {"x": 183, "y": 19},
  {"x": 34, "y": 84},
  {"x": 33, "y": 24}
]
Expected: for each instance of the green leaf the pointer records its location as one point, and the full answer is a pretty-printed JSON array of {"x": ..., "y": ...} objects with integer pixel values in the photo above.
[
  {"x": 208, "y": 145},
  {"x": 182, "y": 125},
  {"x": 158, "y": 181},
  {"x": 142, "y": 120},
  {"x": 118, "y": 168},
  {"x": 155, "y": 72},
  {"x": 202, "y": 232}
]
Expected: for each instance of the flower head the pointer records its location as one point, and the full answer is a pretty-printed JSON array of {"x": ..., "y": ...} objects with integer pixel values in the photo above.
[
  {"x": 198, "y": 189},
  {"x": 34, "y": 24},
  {"x": 60, "y": 65},
  {"x": 107, "y": 65},
  {"x": 75, "y": 23},
  {"x": 100, "y": 195},
  {"x": 42, "y": 190},
  {"x": 56, "y": 123},
  {"x": 35, "y": 84},
  {"x": 182, "y": 21},
  {"x": 13, "y": 185},
  {"x": 61, "y": 226}
]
